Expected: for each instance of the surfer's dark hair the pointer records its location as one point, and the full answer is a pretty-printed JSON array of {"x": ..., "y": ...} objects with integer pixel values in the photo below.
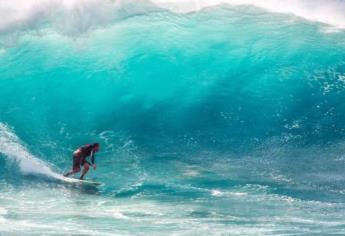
[{"x": 95, "y": 145}]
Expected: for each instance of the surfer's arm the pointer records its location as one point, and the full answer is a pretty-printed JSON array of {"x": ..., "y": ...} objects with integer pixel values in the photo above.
[{"x": 93, "y": 159}]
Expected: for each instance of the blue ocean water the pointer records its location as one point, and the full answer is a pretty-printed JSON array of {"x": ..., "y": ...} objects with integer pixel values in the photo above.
[{"x": 220, "y": 120}]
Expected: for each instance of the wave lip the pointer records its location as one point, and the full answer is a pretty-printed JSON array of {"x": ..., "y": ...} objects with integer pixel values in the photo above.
[
  {"x": 73, "y": 17},
  {"x": 330, "y": 12}
]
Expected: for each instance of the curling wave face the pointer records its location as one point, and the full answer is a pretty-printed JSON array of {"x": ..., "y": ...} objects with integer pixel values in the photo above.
[{"x": 171, "y": 85}]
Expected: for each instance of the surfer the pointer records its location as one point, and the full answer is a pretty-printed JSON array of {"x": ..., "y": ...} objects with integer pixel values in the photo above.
[{"x": 79, "y": 159}]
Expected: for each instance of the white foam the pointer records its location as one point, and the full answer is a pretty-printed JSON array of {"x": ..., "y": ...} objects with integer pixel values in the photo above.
[
  {"x": 326, "y": 11},
  {"x": 216, "y": 193},
  {"x": 118, "y": 214},
  {"x": 73, "y": 16},
  {"x": 65, "y": 15},
  {"x": 11, "y": 147},
  {"x": 3, "y": 211}
]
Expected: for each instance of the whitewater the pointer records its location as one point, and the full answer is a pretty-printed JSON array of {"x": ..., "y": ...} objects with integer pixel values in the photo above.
[{"x": 218, "y": 117}]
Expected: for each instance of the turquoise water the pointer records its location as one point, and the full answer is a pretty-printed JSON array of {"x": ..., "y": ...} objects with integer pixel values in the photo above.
[{"x": 228, "y": 120}]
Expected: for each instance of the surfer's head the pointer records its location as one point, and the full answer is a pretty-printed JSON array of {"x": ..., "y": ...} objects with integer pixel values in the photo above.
[{"x": 95, "y": 146}]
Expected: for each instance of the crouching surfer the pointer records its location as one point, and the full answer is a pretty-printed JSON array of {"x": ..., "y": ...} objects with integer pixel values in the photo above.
[{"x": 79, "y": 159}]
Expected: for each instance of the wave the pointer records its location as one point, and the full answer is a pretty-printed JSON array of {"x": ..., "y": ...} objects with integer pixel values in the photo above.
[
  {"x": 78, "y": 16},
  {"x": 211, "y": 83}
]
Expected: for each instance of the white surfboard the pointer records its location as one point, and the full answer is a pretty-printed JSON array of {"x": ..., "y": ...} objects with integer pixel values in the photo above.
[{"x": 81, "y": 182}]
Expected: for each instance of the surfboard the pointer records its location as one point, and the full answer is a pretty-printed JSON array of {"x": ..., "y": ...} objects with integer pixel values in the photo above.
[
  {"x": 91, "y": 183},
  {"x": 81, "y": 182}
]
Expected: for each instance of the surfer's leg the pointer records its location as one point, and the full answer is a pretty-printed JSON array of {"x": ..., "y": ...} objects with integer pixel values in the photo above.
[
  {"x": 85, "y": 170},
  {"x": 75, "y": 170},
  {"x": 76, "y": 166}
]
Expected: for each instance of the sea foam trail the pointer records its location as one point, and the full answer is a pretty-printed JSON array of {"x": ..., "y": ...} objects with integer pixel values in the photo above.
[
  {"x": 11, "y": 148},
  {"x": 76, "y": 16}
]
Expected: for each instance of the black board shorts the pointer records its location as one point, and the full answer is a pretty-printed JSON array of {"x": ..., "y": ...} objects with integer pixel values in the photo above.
[{"x": 77, "y": 161}]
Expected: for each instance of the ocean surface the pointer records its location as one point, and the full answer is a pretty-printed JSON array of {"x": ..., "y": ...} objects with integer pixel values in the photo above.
[{"x": 214, "y": 117}]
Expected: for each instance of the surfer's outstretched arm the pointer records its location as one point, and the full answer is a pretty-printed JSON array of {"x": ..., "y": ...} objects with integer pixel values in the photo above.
[{"x": 93, "y": 160}]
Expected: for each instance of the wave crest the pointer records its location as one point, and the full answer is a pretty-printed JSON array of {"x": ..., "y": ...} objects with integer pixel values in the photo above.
[{"x": 73, "y": 17}]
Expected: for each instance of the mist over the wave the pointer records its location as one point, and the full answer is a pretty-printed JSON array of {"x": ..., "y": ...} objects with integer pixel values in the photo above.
[
  {"x": 329, "y": 12},
  {"x": 79, "y": 16}
]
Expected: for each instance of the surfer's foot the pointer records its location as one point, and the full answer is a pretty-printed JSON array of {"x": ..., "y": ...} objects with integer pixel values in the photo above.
[{"x": 81, "y": 177}]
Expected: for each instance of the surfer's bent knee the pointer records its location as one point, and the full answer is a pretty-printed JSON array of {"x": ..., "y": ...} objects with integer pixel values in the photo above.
[
  {"x": 76, "y": 169},
  {"x": 86, "y": 166}
]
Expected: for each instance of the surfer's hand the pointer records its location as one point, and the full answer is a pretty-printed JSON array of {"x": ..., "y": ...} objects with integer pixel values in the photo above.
[{"x": 94, "y": 166}]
